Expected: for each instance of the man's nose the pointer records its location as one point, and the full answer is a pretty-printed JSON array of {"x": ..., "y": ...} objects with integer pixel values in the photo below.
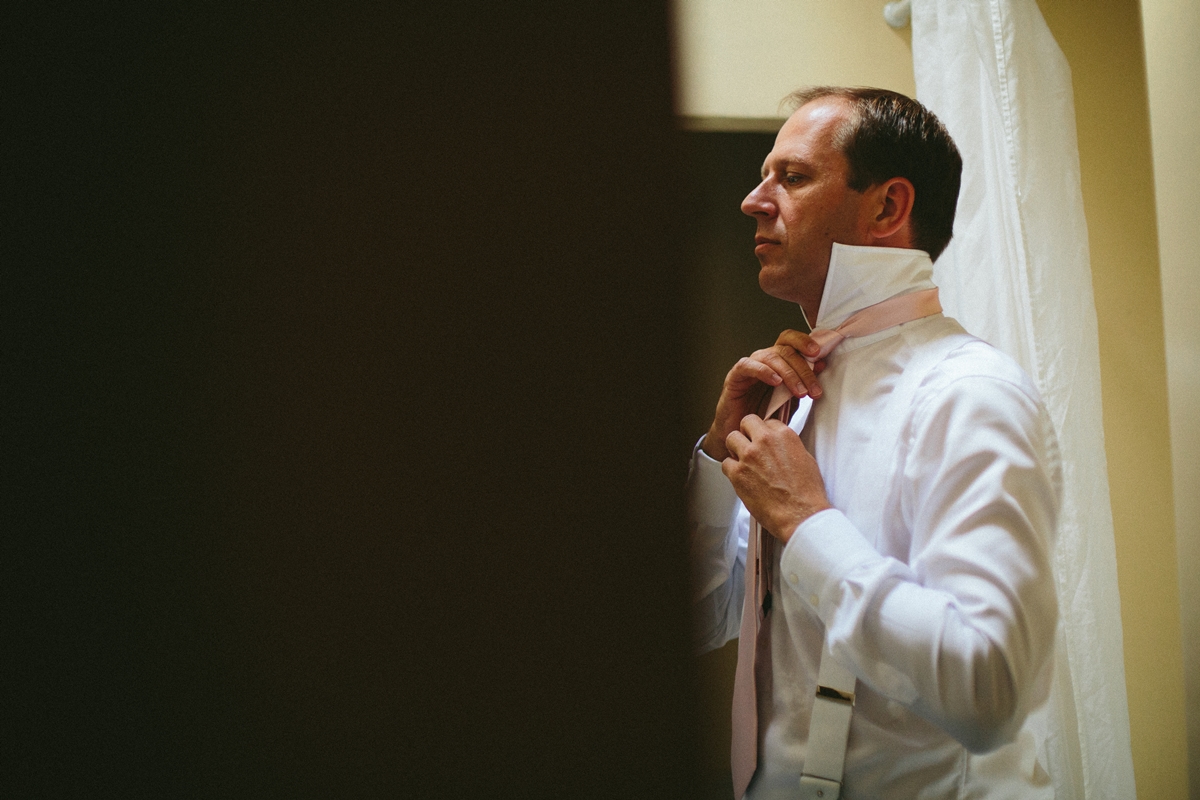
[{"x": 757, "y": 203}]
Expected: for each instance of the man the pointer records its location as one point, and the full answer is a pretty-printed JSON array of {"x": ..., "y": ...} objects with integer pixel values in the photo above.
[{"x": 908, "y": 515}]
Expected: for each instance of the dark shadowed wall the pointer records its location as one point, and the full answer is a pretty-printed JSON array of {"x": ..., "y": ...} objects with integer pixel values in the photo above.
[{"x": 345, "y": 343}]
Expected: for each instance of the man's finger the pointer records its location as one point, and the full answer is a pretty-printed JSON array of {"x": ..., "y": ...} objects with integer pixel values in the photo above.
[
  {"x": 751, "y": 426},
  {"x": 798, "y": 373},
  {"x": 797, "y": 348},
  {"x": 776, "y": 361},
  {"x": 752, "y": 369},
  {"x": 734, "y": 443},
  {"x": 802, "y": 342},
  {"x": 808, "y": 377}
]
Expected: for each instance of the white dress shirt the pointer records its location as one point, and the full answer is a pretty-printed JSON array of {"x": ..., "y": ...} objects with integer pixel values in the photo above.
[{"x": 929, "y": 578}]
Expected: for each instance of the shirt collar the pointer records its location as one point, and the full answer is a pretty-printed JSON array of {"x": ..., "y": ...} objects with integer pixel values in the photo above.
[{"x": 863, "y": 276}]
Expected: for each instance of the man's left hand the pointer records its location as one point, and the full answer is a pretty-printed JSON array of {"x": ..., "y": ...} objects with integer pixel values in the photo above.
[{"x": 774, "y": 475}]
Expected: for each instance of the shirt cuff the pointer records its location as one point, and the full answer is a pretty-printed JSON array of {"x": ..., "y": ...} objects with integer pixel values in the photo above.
[
  {"x": 711, "y": 497},
  {"x": 823, "y": 551}
]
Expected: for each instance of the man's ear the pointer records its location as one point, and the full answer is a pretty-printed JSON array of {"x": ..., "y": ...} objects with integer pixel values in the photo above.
[{"x": 892, "y": 209}]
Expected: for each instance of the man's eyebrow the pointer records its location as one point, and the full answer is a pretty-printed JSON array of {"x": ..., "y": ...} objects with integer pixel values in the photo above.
[{"x": 784, "y": 162}]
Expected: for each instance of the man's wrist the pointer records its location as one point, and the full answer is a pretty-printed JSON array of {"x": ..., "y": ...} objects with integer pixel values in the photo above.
[
  {"x": 713, "y": 444},
  {"x": 793, "y": 522}
]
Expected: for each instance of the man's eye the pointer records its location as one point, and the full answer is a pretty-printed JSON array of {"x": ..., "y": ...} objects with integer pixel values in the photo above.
[{"x": 793, "y": 179}]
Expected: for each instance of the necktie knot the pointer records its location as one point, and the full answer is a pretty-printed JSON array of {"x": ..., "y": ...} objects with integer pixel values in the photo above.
[{"x": 878, "y": 317}]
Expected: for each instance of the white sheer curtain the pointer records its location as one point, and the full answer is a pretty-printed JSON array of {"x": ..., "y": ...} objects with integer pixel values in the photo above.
[{"x": 1017, "y": 274}]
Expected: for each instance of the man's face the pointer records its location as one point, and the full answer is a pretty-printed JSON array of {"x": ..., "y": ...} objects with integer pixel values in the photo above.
[{"x": 804, "y": 205}]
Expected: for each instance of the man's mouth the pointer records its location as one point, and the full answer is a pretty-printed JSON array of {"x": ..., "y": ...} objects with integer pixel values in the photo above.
[{"x": 762, "y": 242}]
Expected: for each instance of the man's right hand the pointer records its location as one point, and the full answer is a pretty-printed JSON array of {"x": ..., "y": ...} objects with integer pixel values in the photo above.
[{"x": 754, "y": 377}]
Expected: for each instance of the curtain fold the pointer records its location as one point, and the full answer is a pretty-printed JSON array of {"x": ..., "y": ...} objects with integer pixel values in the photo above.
[{"x": 1017, "y": 274}]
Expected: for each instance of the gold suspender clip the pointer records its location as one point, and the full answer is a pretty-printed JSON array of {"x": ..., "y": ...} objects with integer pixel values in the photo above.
[{"x": 830, "y": 693}]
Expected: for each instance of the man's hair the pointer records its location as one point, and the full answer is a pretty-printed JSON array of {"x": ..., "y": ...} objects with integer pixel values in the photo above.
[{"x": 890, "y": 136}]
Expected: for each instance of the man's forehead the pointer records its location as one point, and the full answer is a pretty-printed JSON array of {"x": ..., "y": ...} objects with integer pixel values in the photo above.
[
  {"x": 830, "y": 109},
  {"x": 809, "y": 135}
]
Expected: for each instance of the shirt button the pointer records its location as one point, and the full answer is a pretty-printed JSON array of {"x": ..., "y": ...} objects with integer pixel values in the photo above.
[
  {"x": 816, "y": 601},
  {"x": 793, "y": 577}
]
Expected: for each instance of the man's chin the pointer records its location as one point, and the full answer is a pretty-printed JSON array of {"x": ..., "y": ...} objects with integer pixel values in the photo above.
[{"x": 772, "y": 285}]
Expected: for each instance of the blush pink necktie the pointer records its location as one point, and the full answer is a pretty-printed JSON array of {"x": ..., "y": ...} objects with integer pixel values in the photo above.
[{"x": 754, "y": 662}]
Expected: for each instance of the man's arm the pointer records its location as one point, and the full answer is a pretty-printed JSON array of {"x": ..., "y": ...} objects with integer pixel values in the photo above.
[
  {"x": 718, "y": 554},
  {"x": 718, "y": 545},
  {"x": 963, "y": 632}
]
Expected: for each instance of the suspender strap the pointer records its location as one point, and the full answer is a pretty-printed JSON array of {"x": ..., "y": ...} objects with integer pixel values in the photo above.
[{"x": 828, "y": 731}]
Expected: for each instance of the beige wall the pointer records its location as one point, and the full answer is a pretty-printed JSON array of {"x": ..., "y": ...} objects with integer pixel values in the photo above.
[
  {"x": 1172, "y": 35},
  {"x": 1103, "y": 43},
  {"x": 737, "y": 59}
]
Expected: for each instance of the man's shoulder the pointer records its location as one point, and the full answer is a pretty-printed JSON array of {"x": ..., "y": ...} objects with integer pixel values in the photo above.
[
  {"x": 975, "y": 399},
  {"x": 973, "y": 365}
]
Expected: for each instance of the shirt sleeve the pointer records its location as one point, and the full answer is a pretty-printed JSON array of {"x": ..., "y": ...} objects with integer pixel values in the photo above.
[
  {"x": 962, "y": 632},
  {"x": 718, "y": 552}
]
